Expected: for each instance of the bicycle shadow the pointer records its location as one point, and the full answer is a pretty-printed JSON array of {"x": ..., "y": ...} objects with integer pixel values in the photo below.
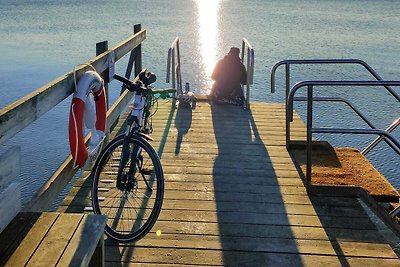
[
  {"x": 252, "y": 218},
  {"x": 125, "y": 252}
]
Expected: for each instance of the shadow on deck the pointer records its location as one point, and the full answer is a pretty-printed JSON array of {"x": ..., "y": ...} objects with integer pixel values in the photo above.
[{"x": 234, "y": 197}]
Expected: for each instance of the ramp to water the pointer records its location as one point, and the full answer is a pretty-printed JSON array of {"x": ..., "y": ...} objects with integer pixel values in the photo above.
[{"x": 234, "y": 197}]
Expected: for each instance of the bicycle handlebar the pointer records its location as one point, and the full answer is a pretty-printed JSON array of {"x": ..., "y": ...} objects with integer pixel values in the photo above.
[
  {"x": 133, "y": 87},
  {"x": 160, "y": 91}
]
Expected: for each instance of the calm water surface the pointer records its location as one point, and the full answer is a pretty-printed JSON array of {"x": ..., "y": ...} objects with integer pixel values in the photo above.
[{"x": 41, "y": 40}]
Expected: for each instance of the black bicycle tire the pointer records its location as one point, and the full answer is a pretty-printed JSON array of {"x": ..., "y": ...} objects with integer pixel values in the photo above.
[{"x": 140, "y": 233}]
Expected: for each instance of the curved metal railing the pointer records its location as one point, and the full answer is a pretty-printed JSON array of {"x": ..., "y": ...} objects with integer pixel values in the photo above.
[
  {"x": 289, "y": 62},
  {"x": 358, "y": 112},
  {"x": 374, "y": 143},
  {"x": 174, "y": 66},
  {"x": 390, "y": 140},
  {"x": 248, "y": 50}
]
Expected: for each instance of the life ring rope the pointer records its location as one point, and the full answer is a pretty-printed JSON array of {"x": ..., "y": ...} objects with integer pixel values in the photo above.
[{"x": 76, "y": 135}]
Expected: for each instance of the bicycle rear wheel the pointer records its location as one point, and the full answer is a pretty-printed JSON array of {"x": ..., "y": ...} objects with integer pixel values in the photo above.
[{"x": 133, "y": 210}]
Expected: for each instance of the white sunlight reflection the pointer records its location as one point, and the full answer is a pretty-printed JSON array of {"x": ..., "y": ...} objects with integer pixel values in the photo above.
[{"x": 208, "y": 12}]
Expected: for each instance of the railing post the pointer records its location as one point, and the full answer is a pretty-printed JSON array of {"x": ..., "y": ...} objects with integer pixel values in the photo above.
[
  {"x": 138, "y": 51},
  {"x": 309, "y": 133},
  {"x": 134, "y": 56},
  {"x": 173, "y": 69},
  {"x": 248, "y": 79},
  {"x": 174, "y": 66},
  {"x": 101, "y": 47},
  {"x": 243, "y": 48},
  {"x": 287, "y": 68},
  {"x": 287, "y": 124},
  {"x": 247, "y": 50},
  {"x": 288, "y": 112},
  {"x": 168, "y": 65},
  {"x": 178, "y": 74}
]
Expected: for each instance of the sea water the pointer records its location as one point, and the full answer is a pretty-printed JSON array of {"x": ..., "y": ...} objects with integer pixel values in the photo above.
[{"x": 43, "y": 39}]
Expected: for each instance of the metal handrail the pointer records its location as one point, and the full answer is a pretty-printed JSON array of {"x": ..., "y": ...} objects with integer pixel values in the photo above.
[
  {"x": 338, "y": 99},
  {"x": 358, "y": 112},
  {"x": 246, "y": 46},
  {"x": 287, "y": 64},
  {"x": 377, "y": 140},
  {"x": 394, "y": 144},
  {"x": 334, "y": 83},
  {"x": 175, "y": 70}
]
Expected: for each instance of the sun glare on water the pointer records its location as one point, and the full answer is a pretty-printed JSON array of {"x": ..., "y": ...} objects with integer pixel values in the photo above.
[{"x": 208, "y": 13}]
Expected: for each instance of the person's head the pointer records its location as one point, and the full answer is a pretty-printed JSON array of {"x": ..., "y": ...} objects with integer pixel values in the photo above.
[{"x": 234, "y": 52}]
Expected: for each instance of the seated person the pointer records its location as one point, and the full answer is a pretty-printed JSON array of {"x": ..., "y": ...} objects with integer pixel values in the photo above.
[{"x": 229, "y": 75}]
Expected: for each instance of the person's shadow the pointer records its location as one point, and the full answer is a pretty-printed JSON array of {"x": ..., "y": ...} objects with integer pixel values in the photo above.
[{"x": 251, "y": 212}]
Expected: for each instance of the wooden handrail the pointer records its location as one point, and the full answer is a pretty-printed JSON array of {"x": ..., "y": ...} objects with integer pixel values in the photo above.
[
  {"x": 26, "y": 110},
  {"x": 23, "y": 112},
  {"x": 61, "y": 177}
]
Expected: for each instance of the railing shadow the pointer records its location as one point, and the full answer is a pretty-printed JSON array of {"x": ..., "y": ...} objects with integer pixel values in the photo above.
[
  {"x": 126, "y": 252},
  {"x": 342, "y": 217},
  {"x": 183, "y": 122}
]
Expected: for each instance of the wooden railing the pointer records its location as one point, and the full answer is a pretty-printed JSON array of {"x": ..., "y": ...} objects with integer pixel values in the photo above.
[{"x": 26, "y": 110}]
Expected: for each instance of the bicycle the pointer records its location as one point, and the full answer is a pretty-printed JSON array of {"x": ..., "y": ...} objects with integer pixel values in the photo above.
[{"x": 128, "y": 179}]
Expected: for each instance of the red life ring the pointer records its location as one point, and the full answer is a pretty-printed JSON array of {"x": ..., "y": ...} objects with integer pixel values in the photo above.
[{"x": 82, "y": 110}]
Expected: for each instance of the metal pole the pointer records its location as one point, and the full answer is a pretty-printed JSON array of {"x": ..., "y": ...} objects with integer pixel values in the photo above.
[
  {"x": 169, "y": 65},
  {"x": 173, "y": 68},
  {"x": 309, "y": 134},
  {"x": 248, "y": 79},
  {"x": 179, "y": 67},
  {"x": 287, "y": 125},
  {"x": 287, "y": 68},
  {"x": 243, "y": 48},
  {"x": 380, "y": 138}
]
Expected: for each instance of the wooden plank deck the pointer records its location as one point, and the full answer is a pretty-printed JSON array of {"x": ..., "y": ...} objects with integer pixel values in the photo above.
[
  {"x": 234, "y": 197},
  {"x": 53, "y": 239}
]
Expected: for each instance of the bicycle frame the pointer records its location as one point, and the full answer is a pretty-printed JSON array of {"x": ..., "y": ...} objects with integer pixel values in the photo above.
[{"x": 137, "y": 124}]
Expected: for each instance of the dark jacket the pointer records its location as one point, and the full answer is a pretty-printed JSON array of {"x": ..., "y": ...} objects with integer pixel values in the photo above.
[{"x": 229, "y": 74}]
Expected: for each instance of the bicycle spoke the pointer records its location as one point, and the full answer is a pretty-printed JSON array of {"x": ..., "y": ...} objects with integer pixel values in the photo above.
[{"x": 130, "y": 210}]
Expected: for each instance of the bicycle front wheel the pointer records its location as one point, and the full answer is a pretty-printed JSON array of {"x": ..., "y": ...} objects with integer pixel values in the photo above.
[{"x": 133, "y": 208}]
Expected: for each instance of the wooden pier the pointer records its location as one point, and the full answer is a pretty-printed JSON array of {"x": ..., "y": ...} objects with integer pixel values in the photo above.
[
  {"x": 233, "y": 194},
  {"x": 234, "y": 197}
]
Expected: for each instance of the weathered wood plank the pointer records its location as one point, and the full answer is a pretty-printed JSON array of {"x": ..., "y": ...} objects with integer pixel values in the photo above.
[
  {"x": 270, "y": 231},
  {"x": 248, "y": 218},
  {"x": 21, "y": 113},
  {"x": 10, "y": 166},
  {"x": 267, "y": 219},
  {"x": 232, "y": 258},
  {"x": 32, "y": 240},
  {"x": 10, "y": 204},
  {"x": 269, "y": 245},
  {"x": 256, "y": 163},
  {"x": 218, "y": 179},
  {"x": 246, "y": 197},
  {"x": 84, "y": 241},
  {"x": 15, "y": 232},
  {"x": 220, "y": 170},
  {"x": 263, "y": 208},
  {"x": 45, "y": 196},
  {"x": 58, "y": 236}
]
